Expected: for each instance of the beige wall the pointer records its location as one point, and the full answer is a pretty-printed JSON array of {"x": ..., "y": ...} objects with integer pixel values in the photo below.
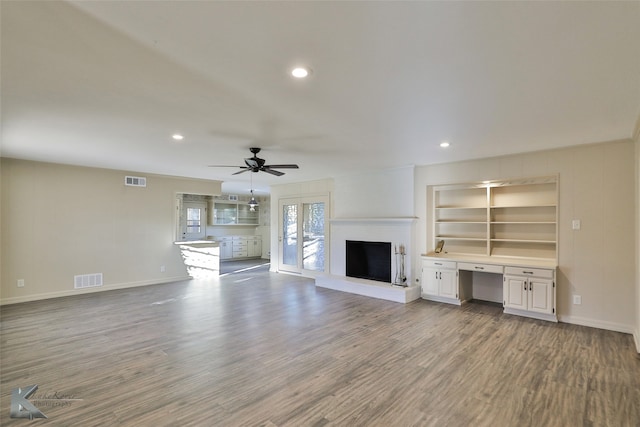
[
  {"x": 59, "y": 221},
  {"x": 596, "y": 186},
  {"x": 637, "y": 142}
]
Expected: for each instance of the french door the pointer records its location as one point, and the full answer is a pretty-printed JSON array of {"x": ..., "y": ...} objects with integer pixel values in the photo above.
[{"x": 301, "y": 235}]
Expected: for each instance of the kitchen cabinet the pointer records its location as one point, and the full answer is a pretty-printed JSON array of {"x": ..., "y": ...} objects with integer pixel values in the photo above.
[
  {"x": 234, "y": 213},
  {"x": 226, "y": 249},
  {"x": 239, "y": 247},
  {"x": 254, "y": 247}
]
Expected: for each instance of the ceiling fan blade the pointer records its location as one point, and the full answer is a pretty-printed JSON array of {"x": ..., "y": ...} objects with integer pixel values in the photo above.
[
  {"x": 242, "y": 171},
  {"x": 282, "y": 166},
  {"x": 224, "y": 166},
  {"x": 272, "y": 172}
]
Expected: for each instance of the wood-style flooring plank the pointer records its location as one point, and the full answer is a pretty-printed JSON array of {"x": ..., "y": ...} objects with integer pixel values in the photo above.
[{"x": 265, "y": 349}]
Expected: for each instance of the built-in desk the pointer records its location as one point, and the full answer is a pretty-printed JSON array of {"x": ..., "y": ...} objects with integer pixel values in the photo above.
[{"x": 524, "y": 287}]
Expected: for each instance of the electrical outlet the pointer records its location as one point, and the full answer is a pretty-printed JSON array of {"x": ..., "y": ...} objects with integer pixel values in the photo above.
[
  {"x": 21, "y": 283},
  {"x": 162, "y": 269},
  {"x": 577, "y": 300}
]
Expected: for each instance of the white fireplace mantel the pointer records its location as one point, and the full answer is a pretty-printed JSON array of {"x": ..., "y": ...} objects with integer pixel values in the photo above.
[
  {"x": 396, "y": 230},
  {"x": 390, "y": 220}
]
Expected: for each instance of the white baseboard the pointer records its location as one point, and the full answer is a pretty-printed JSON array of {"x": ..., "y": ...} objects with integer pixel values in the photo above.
[
  {"x": 636, "y": 337},
  {"x": 70, "y": 292},
  {"x": 600, "y": 324}
]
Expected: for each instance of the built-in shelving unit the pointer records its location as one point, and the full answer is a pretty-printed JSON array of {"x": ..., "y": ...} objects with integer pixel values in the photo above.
[
  {"x": 510, "y": 218},
  {"x": 235, "y": 212}
]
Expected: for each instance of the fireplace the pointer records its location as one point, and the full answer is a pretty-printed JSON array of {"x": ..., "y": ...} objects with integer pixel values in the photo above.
[{"x": 368, "y": 260}]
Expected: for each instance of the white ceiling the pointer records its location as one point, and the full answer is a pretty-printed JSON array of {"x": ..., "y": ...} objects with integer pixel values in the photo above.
[{"x": 106, "y": 83}]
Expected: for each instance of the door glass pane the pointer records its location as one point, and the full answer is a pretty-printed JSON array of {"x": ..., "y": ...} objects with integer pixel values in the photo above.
[
  {"x": 193, "y": 220},
  {"x": 290, "y": 235},
  {"x": 313, "y": 232}
]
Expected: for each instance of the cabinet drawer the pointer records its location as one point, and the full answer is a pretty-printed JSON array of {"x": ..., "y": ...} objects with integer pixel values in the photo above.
[
  {"x": 531, "y": 272},
  {"x": 486, "y": 268},
  {"x": 438, "y": 264},
  {"x": 240, "y": 253}
]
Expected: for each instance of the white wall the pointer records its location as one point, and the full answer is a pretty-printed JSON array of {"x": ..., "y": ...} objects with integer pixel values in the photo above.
[
  {"x": 597, "y": 186},
  {"x": 59, "y": 221},
  {"x": 379, "y": 206},
  {"x": 380, "y": 194}
]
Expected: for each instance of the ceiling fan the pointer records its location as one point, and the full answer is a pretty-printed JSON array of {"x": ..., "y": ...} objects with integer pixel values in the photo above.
[{"x": 256, "y": 164}]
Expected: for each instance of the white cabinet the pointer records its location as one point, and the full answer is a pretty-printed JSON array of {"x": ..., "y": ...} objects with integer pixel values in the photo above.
[
  {"x": 525, "y": 291},
  {"x": 234, "y": 213},
  {"x": 226, "y": 250},
  {"x": 529, "y": 292},
  {"x": 254, "y": 247},
  {"x": 239, "y": 247},
  {"x": 440, "y": 281}
]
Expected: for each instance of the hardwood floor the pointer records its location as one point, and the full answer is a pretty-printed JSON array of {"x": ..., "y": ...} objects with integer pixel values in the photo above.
[{"x": 265, "y": 349}]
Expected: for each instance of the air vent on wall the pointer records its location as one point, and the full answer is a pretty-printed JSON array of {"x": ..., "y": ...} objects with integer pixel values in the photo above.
[
  {"x": 87, "y": 280},
  {"x": 135, "y": 181}
]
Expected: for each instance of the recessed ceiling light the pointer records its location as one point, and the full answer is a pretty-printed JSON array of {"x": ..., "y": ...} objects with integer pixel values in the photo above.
[
  {"x": 300, "y": 72},
  {"x": 177, "y": 137},
  {"x": 444, "y": 144}
]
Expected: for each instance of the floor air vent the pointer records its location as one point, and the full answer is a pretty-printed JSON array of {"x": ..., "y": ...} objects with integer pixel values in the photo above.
[
  {"x": 135, "y": 181},
  {"x": 87, "y": 280}
]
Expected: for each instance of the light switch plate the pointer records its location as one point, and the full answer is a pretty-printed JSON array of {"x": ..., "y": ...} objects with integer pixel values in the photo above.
[{"x": 575, "y": 224}]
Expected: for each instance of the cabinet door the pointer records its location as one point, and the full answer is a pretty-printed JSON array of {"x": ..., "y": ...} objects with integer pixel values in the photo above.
[
  {"x": 430, "y": 281},
  {"x": 448, "y": 283},
  {"x": 540, "y": 297},
  {"x": 254, "y": 248},
  {"x": 226, "y": 251},
  {"x": 515, "y": 292}
]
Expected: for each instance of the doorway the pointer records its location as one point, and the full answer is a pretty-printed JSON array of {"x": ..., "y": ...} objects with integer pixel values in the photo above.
[
  {"x": 302, "y": 234},
  {"x": 194, "y": 226}
]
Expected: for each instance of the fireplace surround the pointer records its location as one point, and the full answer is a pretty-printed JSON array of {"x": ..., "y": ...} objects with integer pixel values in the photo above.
[
  {"x": 368, "y": 260},
  {"x": 395, "y": 230}
]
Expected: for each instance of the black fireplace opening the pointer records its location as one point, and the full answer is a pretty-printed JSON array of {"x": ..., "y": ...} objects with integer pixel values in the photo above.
[{"x": 369, "y": 260}]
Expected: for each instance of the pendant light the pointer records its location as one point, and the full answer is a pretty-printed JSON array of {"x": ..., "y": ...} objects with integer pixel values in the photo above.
[{"x": 253, "y": 203}]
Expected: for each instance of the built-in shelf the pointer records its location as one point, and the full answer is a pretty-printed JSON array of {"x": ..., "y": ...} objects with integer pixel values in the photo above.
[{"x": 500, "y": 218}]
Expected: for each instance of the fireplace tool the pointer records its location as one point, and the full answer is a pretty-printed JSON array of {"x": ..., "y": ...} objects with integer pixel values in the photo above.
[{"x": 401, "y": 279}]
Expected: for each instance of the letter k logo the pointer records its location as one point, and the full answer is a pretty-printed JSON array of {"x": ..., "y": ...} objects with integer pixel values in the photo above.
[{"x": 21, "y": 407}]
